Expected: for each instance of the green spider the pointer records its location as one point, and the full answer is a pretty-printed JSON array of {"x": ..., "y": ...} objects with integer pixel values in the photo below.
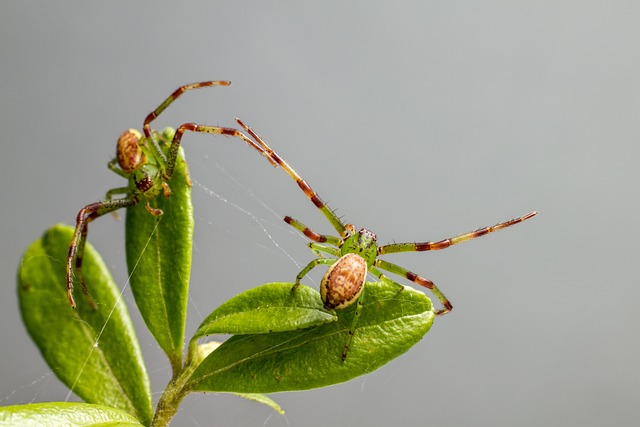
[
  {"x": 147, "y": 162},
  {"x": 354, "y": 253}
]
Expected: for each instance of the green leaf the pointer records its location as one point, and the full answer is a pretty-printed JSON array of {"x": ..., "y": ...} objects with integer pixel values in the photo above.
[
  {"x": 273, "y": 307},
  {"x": 392, "y": 321},
  {"x": 65, "y": 414},
  {"x": 159, "y": 260},
  {"x": 94, "y": 352}
]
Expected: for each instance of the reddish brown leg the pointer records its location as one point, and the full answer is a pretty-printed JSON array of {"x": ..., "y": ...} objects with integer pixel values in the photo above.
[
  {"x": 403, "y": 272},
  {"x": 76, "y": 249},
  {"x": 175, "y": 95},
  {"x": 443, "y": 244}
]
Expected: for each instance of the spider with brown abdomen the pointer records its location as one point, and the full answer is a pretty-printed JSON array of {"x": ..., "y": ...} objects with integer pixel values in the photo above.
[
  {"x": 354, "y": 253},
  {"x": 147, "y": 160}
]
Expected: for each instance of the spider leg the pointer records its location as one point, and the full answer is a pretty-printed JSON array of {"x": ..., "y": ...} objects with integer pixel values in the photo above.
[
  {"x": 109, "y": 196},
  {"x": 76, "y": 249},
  {"x": 354, "y": 324},
  {"x": 172, "y": 155},
  {"x": 175, "y": 95},
  {"x": 319, "y": 249},
  {"x": 384, "y": 278},
  {"x": 274, "y": 158},
  {"x": 443, "y": 244},
  {"x": 113, "y": 165},
  {"x": 309, "y": 267},
  {"x": 396, "y": 269},
  {"x": 310, "y": 234},
  {"x": 119, "y": 190}
]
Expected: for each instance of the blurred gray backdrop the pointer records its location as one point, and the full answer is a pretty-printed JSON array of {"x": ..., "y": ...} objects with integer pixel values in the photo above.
[{"x": 418, "y": 120}]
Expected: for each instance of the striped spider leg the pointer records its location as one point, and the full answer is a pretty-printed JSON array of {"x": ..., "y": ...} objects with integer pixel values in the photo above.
[
  {"x": 147, "y": 161},
  {"x": 353, "y": 253}
]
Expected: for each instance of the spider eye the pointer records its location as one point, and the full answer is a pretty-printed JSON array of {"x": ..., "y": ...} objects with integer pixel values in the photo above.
[{"x": 368, "y": 233}]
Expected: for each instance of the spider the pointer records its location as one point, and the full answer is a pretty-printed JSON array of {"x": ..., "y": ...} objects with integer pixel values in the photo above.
[
  {"x": 147, "y": 162},
  {"x": 353, "y": 253}
]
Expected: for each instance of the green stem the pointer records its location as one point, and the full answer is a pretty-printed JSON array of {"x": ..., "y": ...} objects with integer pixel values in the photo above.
[
  {"x": 175, "y": 391},
  {"x": 173, "y": 394},
  {"x": 168, "y": 405}
]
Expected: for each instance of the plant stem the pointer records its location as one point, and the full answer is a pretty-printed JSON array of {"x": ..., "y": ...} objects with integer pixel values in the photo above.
[
  {"x": 173, "y": 394},
  {"x": 168, "y": 405}
]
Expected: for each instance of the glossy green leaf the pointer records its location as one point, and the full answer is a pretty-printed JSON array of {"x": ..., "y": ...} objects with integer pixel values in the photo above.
[
  {"x": 65, "y": 414},
  {"x": 159, "y": 260},
  {"x": 273, "y": 307},
  {"x": 94, "y": 352},
  {"x": 392, "y": 321}
]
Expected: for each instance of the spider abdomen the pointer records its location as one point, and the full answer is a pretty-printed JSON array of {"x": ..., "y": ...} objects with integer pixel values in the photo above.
[
  {"x": 342, "y": 285},
  {"x": 130, "y": 155}
]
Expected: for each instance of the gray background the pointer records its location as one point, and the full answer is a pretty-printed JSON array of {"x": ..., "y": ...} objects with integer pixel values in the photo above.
[{"x": 417, "y": 120}]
